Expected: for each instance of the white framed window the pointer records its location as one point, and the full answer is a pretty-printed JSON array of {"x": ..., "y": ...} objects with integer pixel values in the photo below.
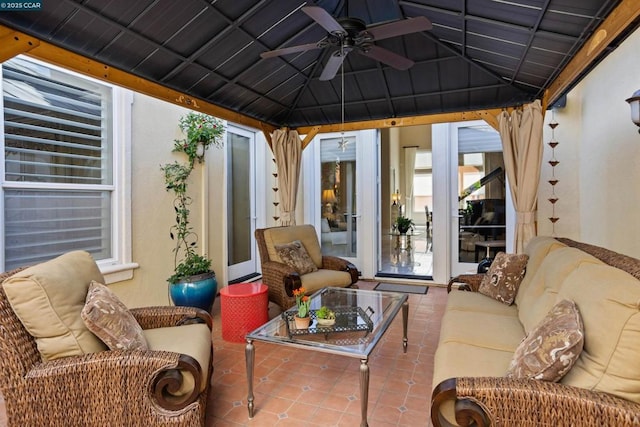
[{"x": 65, "y": 168}]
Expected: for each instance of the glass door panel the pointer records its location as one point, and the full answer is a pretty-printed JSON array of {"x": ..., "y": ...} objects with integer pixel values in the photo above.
[
  {"x": 338, "y": 222},
  {"x": 478, "y": 196},
  {"x": 240, "y": 204}
]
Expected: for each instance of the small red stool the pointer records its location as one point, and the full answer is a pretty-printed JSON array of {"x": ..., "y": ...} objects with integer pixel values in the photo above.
[{"x": 244, "y": 307}]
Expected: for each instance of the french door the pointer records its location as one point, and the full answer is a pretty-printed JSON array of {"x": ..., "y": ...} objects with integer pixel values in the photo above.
[
  {"x": 343, "y": 203},
  {"x": 478, "y": 208},
  {"x": 241, "y": 247}
]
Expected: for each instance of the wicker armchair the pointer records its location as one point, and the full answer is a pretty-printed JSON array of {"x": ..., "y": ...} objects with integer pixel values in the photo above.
[
  {"x": 108, "y": 388},
  {"x": 283, "y": 279}
]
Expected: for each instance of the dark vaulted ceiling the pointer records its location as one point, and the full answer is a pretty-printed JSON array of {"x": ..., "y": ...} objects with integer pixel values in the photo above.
[{"x": 479, "y": 54}]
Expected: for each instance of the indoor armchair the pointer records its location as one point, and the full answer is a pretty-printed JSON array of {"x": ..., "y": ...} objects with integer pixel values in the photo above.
[{"x": 283, "y": 278}]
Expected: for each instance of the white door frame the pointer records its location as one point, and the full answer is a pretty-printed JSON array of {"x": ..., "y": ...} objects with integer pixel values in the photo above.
[
  {"x": 366, "y": 193},
  {"x": 250, "y": 266},
  {"x": 445, "y": 149}
]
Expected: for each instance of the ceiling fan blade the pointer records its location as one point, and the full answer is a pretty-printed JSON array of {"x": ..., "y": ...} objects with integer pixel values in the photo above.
[
  {"x": 400, "y": 28},
  {"x": 288, "y": 50},
  {"x": 323, "y": 18},
  {"x": 333, "y": 65},
  {"x": 387, "y": 57}
]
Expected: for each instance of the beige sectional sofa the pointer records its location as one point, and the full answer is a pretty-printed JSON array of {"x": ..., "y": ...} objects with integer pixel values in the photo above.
[{"x": 479, "y": 336}]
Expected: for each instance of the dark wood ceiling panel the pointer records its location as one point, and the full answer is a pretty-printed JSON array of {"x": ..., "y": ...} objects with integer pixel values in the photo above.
[{"x": 479, "y": 54}]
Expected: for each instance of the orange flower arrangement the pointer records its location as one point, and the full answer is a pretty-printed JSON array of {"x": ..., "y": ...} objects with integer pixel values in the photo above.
[{"x": 302, "y": 301}]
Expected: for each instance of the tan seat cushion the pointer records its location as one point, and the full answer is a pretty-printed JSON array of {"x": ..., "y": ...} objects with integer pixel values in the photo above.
[
  {"x": 282, "y": 235},
  {"x": 48, "y": 299},
  {"x": 504, "y": 276},
  {"x": 477, "y": 303},
  {"x": 107, "y": 317},
  {"x": 322, "y": 278},
  {"x": 552, "y": 348},
  {"x": 296, "y": 256},
  {"x": 193, "y": 340},
  {"x": 609, "y": 302}
]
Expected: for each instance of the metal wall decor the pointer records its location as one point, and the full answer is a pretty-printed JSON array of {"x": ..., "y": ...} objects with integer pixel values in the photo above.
[
  {"x": 553, "y": 124},
  {"x": 276, "y": 199}
]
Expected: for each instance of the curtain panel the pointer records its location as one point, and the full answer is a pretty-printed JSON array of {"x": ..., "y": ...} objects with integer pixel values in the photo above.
[
  {"x": 287, "y": 148},
  {"x": 521, "y": 135}
]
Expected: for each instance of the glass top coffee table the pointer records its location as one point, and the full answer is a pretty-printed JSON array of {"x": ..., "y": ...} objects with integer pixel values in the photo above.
[{"x": 362, "y": 317}]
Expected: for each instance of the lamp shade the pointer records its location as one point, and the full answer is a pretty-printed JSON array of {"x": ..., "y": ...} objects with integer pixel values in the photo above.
[
  {"x": 328, "y": 196},
  {"x": 634, "y": 103}
]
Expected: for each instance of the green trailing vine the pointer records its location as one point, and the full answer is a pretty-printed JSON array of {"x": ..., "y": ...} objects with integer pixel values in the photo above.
[{"x": 202, "y": 131}]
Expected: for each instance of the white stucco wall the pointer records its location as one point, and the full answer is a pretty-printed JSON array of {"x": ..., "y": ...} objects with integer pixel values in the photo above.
[{"x": 599, "y": 154}]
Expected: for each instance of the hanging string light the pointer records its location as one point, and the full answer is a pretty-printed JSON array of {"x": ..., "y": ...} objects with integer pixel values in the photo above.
[
  {"x": 343, "y": 142},
  {"x": 553, "y": 181}
]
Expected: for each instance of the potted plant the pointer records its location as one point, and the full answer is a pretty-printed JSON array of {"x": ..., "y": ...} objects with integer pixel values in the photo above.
[
  {"x": 325, "y": 316},
  {"x": 302, "y": 317},
  {"x": 404, "y": 224},
  {"x": 193, "y": 283}
]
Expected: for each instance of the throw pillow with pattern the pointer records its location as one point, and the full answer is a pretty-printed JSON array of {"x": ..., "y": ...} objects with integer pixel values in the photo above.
[
  {"x": 502, "y": 280},
  {"x": 295, "y": 255},
  {"x": 552, "y": 347},
  {"x": 111, "y": 321}
]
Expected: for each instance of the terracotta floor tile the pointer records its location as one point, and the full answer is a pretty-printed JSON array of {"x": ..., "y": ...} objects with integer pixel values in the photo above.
[{"x": 296, "y": 387}]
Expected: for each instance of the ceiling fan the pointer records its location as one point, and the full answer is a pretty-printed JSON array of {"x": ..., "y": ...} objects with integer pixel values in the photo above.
[{"x": 352, "y": 34}]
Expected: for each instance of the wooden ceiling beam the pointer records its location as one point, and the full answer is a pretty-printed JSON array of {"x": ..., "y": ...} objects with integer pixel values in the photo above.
[
  {"x": 488, "y": 115},
  {"x": 13, "y": 43},
  {"x": 615, "y": 24}
]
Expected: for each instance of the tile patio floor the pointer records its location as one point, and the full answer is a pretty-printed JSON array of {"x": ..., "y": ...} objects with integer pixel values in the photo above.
[{"x": 304, "y": 388}]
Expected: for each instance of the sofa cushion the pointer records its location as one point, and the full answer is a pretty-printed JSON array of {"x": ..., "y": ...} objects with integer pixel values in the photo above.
[
  {"x": 504, "y": 276},
  {"x": 48, "y": 299},
  {"x": 551, "y": 349},
  {"x": 609, "y": 301},
  {"x": 319, "y": 279},
  {"x": 542, "y": 292},
  {"x": 296, "y": 256},
  {"x": 107, "y": 317},
  {"x": 193, "y": 340},
  {"x": 538, "y": 248},
  {"x": 305, "y": 233}
]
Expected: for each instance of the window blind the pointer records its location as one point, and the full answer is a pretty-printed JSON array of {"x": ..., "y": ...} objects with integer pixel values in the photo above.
[{"x": 58, "y": 141}]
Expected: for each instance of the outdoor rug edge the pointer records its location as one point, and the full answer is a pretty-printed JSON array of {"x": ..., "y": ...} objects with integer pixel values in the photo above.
[{"x": 400, "y": 287}]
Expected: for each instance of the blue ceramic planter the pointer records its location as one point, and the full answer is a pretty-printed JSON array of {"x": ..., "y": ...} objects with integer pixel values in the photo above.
[{"x": 195, "y": 291}]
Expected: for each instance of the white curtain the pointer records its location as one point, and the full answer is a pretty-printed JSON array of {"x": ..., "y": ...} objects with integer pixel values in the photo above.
[
  {"x": 521, "y": 134},
  {"x": 409, "y": 172},
  {"x": 287, "y": 148}
]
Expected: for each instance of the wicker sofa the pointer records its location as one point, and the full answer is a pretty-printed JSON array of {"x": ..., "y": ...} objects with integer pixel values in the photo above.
[{"x": 479, "y": 336}]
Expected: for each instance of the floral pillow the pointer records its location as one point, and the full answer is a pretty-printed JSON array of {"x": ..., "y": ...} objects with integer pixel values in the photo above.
[
  {"x": 552, "y": 347},
  {"x": 111, "y": 321},
  {"x": 502, "y": 280},
  {"x": 296, "y": 256}
]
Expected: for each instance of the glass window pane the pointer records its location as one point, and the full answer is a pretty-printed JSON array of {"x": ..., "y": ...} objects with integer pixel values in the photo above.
[
  {"x": 239, "y": 198},
  {"x": 41, "y": 224}
]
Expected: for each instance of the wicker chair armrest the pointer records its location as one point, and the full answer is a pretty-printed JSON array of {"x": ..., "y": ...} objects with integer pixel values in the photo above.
[
  {"x": 115, "y": 378},
  {"x": 470, "y": 282},
  {"x": 522, "y": 402},
  {"x": 281, "y": 280},
  {"x": 165, "y": 316},
  {"x": 339, "y": 264}
]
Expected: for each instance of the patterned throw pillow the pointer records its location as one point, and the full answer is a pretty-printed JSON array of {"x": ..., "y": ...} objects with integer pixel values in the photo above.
[
  {"x": 502, "y": 280},
  {"x": 296, "y": 256},
  {"x": 552, "y": 348},
  {"x": 107, "y": 317}
]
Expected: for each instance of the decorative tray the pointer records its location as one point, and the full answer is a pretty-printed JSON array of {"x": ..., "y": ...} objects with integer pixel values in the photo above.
[{"x": 348, "y": 319}]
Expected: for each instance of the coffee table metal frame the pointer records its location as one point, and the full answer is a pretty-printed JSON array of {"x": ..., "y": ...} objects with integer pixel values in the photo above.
[{"x": 328, "y": 341}]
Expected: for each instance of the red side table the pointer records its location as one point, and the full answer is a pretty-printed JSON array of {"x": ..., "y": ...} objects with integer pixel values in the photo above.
[{"x": 244, "y": 307}]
